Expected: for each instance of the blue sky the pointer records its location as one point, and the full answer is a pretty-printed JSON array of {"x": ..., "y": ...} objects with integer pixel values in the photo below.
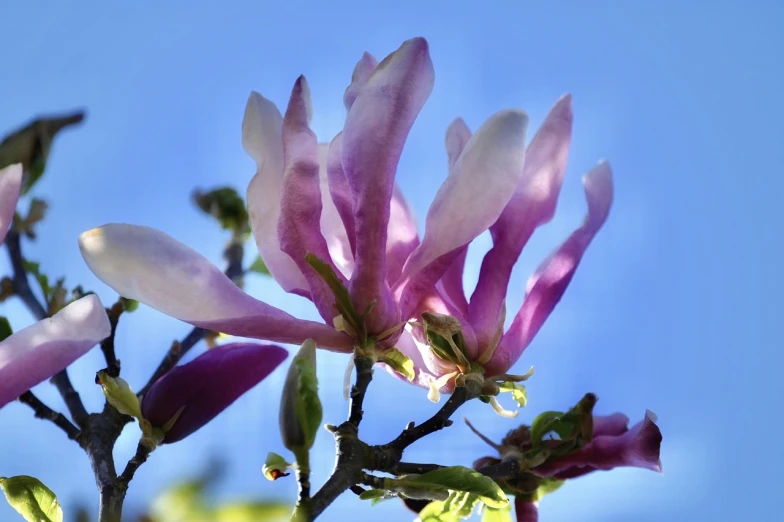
[{"x": 673, "y": 308}]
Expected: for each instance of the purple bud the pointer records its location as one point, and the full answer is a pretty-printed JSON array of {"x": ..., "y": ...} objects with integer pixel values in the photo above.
[{"x": 198, "y": 391}]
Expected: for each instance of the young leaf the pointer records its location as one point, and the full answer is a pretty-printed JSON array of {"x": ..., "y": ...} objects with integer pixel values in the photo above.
[
  {"x": 259, "y": 266},
  {"x": 119, "y": 394},
  {"x": 518, "y": 392},
  {"x": 498, "y": 515},
  {"x": 31, "y": 499},
  {"x": 251, "y": 512},
  {"x": 459, "y": 478},
  {"x": 226, "y": 206},
  {"x": 342, "y": 298},
  {"x": 372, "y": 494},
  {"x": 546, "y": 486},
  {"x": 275, "y": 467},
  {"x": 399, "y": 362},
  {"x": 542, "y": 425},
  {"x": 5, "y": 329},
  {"x": 129, "y": 305}
]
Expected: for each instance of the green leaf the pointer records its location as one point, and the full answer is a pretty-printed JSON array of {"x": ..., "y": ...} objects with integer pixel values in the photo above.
[
  {"x": 542, "y": 425},
  {"x": 183, "y": 501},
  {"x": 498, "y": 515},
  {"x": 259, "y": 266},
  {"x": 119, "y": 394},
  {"x": 343, "y": 303},
  {"x": 546, "y": 486},
  {"x": 34, "y": 269},
  {"x": 30, "y": 146},
  {"x": 459, "y": 506},
  {"x": 252, "y": 512},
  {"x": 518, "y": 392},
  {"x": 372, "y": 494},
  {"x": 308, "y": 407},
  {"x": 31, "y": 499},
  {"x": 459, "y": 478},
  {"x": 399, "y": 362},
  {"x": 226, "y": 206},
  {"x": 275, "y": 467},
  {"x": 5, "y": 329}
]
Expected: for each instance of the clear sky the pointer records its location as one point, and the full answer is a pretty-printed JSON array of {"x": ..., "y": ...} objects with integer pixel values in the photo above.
[{"x": 673, "y": 308}]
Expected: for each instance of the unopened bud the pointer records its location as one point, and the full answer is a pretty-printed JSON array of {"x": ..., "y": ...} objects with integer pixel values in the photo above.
[
  {"x": 300, "y": 407},
  {"x": 275, "y": 467},
  {"x": 119, "y": 394}
]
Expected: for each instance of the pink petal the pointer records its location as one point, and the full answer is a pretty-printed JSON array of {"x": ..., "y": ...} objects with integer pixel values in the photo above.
[
  {"x": 615, "y": 424},
  {"x": 147, "y": 265},
  {"x": 362, "y": 71},
  {"x": 549, "y": 282},
  {"x": 299, "y": 227},
  {"x": 639, "y": 447},
  {"x": 451, "y": 284},
  {"x": 201, "y": 389},
  {"x": 526, "y": 511},
  {"x": 532, "y": 205},
  {"x": 331, "y": 224},
  {"x": 472, "y": 197},
  {"x": 402, "y": 237},
  {"x": 339, "y": 190},
  {"x": 36, "y": 353},
  {"x": 262, "y": 138},
  {"x": 375, "y": 132},
  {"x": 410, "y": 347},
  {"x": 10, "y": 185}
]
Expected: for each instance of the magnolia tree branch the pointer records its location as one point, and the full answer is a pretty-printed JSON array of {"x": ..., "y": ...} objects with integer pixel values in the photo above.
[
  {"x": 22, "y": 288},
  {"x": 142, "y": 453},
  {"x": 355, "y": 456},
  {"x": 42, "y": 411}
]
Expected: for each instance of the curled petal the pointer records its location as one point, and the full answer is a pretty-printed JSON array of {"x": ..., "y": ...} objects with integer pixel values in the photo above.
[
  {"x": 532, "y": 205},
  {"x": 41, "y": 350},
  {"x": 375, "y": 132},
  {"x": 340, "y": 192},
  {"x": 615, "y": 424},
  {"x": 299, "y": 227},
  {"x": 147, "y": 265},
  {"x": 359, "y": 78},
  {"x": 526, "y": 511},
  {"x": 472, "y": 197},
  {"x": 196, "y": 392},
  {"x": 331, "y": 224},
  {"x": 10, "y": 185},
  {"x": 639, "y": 447},
  {"x": 262, "y": 138},
  {"x": 402, "y": 237},
  {"x": 548, "y": 284},
  {"x": 451, "y": 284}
]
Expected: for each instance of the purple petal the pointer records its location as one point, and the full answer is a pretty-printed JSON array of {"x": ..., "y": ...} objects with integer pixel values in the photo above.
[
  {"x": 362, "y": 71},
  {"x": 451, "y": 284},
  {"x": 339, "y": 190},
  {"x": 532, "y": 205},
  {"x": 549, "y": 282},
  {"x": 147, "y": 265},
  {"x": 402, "y": 237},
  {"x": 526, "y": 511},
  {"x": 375, "y": 132},
  {"x": 299, "y": 228},
  {"x": 472, "y": 197},
  {"x": 639, "y": 447},
  {"x": 332, "y": 228},
  {"x": 41, "y": 350},
  {"x": 10, "y": 185},
  {"x": 615, "y": 424},
  {"x": 262, "y": 138},
  {"x": 208, "y": 385}
]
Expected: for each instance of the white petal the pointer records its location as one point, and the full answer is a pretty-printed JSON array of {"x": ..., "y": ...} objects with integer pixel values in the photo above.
[{"x": 10, "y": 184}]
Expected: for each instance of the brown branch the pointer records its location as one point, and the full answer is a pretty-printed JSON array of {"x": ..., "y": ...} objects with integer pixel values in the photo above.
[
  {"x": 42, "y": 411},
  {"x": 22, "y": 289},
  {"x": 142, "y": 453}
]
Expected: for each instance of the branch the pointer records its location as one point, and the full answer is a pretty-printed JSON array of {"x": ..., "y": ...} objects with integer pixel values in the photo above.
[
  {"x": 142, "y": 453},
  {"x": 364, "y": 369},
  {"x": 107, "y": 345},
  {"x": 42, "y": 411},
  {"x": 406, "y": 468},
  {"x": 22, "y": 288}
]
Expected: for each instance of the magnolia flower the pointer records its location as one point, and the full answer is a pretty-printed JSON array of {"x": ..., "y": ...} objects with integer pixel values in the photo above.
[
  {"x": 189, "y": 396},
  {"x": 38, "y": 352},
  {"x": 537, "y": 173},
  {"x": 612, "y": 445}
]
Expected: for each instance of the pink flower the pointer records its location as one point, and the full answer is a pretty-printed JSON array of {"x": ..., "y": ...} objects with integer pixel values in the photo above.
[
  {"x": 36, "y": 353},
  {"x": 535, "y": 174}
]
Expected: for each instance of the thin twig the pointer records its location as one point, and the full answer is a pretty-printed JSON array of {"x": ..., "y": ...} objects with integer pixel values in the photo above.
[
  {"x": 406, "y": 468},
  {"x": 107, "y": 345},
  {"x": 142, "y": 453},
  {"x": 22, "y": 288},
  {"x": 364, "y": 369},
  {"x": 42, "y": 411}
]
